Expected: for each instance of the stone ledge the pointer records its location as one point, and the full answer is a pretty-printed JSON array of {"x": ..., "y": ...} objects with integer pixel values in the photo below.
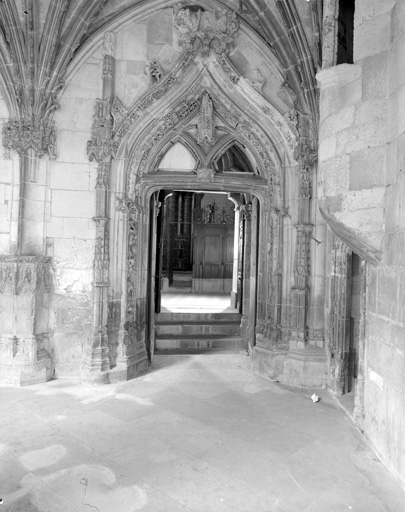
[{"x": 338, "y": 75}]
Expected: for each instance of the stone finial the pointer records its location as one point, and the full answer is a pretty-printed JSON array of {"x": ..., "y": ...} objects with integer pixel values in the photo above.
[{"x": 206, "y": 127}]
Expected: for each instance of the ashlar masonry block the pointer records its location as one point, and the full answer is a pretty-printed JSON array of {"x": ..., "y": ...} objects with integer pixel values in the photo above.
[{"x": 372, "y": 36}]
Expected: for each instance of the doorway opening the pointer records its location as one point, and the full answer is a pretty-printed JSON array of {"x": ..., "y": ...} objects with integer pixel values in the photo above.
[{"x": 199, "y": 259}]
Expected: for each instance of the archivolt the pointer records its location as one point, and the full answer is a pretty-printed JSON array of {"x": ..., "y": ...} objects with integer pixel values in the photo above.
[{"x": 146, "y": 141}]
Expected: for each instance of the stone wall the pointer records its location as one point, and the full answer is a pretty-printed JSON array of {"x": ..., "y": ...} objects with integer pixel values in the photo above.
[
  {"x": 362, "y": 194},
  {"x": 9, "y": 190}
]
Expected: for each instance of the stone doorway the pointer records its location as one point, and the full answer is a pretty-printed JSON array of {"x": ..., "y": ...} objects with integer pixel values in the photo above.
[{"x": 200, "y": 252}]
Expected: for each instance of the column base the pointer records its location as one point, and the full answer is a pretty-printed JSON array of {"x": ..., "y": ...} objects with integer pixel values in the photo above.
[
  {"x": 306, "y": 368},
  {"x": 268, "y": 363},
  {"x": 299, "y": 368},
  {"x": 27, "y": 374},
  {"x": 127, "y": 369}
]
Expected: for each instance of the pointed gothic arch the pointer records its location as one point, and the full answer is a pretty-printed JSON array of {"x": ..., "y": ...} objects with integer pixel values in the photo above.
[{"x": 171, "y": 111}]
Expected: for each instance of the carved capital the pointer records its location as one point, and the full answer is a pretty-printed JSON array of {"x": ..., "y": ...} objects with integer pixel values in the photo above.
[
  {"x": 246, "y": 211},
  {"x": 36, "y": 133}
]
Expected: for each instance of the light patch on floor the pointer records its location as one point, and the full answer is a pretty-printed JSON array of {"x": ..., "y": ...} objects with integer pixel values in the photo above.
[
  {"x": 43, "y": 458},
  {"x": 205, "y": 436},
  {"x": 138, "y": 400},
  {"x": 85, "y": 487}
]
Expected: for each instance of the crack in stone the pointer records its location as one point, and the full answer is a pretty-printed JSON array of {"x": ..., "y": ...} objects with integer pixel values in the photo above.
[{"x": 85, "y": 481}]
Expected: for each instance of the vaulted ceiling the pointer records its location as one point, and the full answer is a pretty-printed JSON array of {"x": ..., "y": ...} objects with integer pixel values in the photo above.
[{"x": 39, "y": 39}]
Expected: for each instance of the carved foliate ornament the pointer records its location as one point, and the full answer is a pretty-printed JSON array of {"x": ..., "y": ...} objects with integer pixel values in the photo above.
[
  {"x": 155, "y": 72},
  {"x": 25, "y": 274},
  {"x": 205, "y": 175},
  {"x": 35, "y": 133},
  {"x": 109, "y": 43},
  {"x": 292, "y": 117},
  {"x": 206, "y": 127},
  {"x": 201, "y": 32},
  {"x": 101, "y": 262},
  {"x": 101, "y": 148},
  {"x": 118, "y": 112},
  {"x": 305, "y": 183},
  {"x": 256, "y": 80},
  {"x": 301, "y": 263},
  {"x": 246, "y": 211},
  {"x": 305, "y": 152}
]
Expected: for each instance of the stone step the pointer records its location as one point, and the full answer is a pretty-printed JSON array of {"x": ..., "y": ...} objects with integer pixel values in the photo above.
[
  {"x": 166, "y": 317},
  {"x": 183, "y": 276},
  {"x": 197, "y": 328},
  {"x": 199, "y": 342}
]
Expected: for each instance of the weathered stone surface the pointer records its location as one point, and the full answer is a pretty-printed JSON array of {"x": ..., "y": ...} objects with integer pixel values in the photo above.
[
  {"x": 372, "y": 36},
  {"x": 160, "y": 27},
  {"x": 68, "y": 203},
  {"x": 371, "y": 166}
]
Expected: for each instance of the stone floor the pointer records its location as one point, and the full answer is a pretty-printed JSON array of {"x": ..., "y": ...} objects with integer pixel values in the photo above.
[{"x": 197, "y": 433}]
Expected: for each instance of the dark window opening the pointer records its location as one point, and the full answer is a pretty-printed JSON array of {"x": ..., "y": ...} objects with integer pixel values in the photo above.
[
  {"x": 234, "y": 160},
  {"x": 345, "y": 32}
]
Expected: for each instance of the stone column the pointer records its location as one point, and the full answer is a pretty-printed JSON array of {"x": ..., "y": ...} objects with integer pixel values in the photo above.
[
  {"x": 304, "y": 365},
  {"x": 171, "y": 233},
  {"x": 132, "y": 356},
  {"x": 24, "y": 302},
  {"x": 253, "y": 285},
  {"x": 100, "y": 148},
  {"x": 187, "y": 219},
  {"x": 236, "y": 234},
  {"x": 246, "y": 211}
]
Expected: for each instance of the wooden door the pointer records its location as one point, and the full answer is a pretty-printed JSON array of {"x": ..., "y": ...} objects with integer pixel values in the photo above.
[{"x": 213, "y": 251}]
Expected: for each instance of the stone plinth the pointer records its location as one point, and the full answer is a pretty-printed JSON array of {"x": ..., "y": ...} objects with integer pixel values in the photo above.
[
  {"x": 25, "y": 282},
  {"x": 301, "y": 368}
]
